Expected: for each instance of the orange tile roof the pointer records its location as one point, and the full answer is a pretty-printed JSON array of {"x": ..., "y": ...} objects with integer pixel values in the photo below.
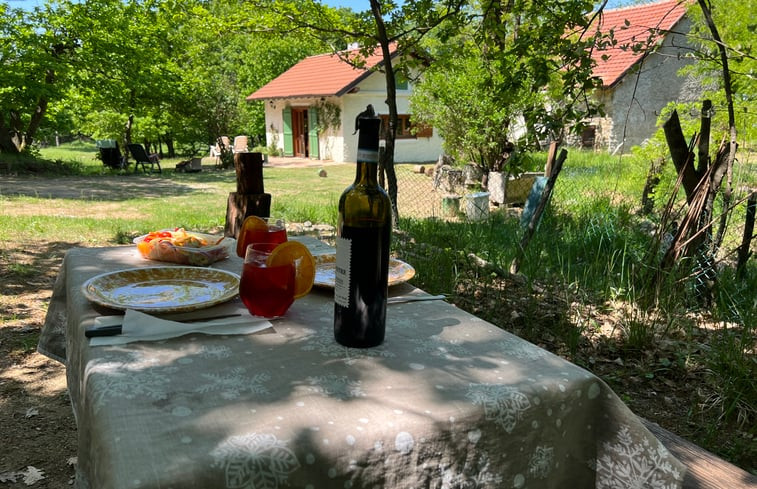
[
  {"x": 321, "y": 75},
  {"x": 641, "y": 19}
]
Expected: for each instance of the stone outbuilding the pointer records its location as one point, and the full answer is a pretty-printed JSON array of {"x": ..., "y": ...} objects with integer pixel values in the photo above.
[{"x": 636, "y": 85}]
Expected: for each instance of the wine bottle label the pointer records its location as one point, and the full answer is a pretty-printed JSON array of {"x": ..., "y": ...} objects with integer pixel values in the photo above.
[
  {"x": 367, "y": 155},
  {"x": 342, "y": 271}
]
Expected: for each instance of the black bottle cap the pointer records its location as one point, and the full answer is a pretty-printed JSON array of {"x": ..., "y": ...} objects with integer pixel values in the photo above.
[{"x": 368, "y": 140}]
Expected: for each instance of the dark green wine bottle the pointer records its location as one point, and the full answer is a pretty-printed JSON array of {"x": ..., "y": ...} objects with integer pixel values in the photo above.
[{"x": 362, "y": 249}]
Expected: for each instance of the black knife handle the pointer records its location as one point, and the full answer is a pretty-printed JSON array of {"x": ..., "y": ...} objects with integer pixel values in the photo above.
[{"x": 93, "y": 331}]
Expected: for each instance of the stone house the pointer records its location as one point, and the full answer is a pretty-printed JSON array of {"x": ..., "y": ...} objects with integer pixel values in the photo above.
[
  {"x": 310, "y": 110},
  {"x": 637, "y": 85}
]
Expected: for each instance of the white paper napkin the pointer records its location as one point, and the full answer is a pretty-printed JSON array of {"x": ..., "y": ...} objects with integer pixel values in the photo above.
[{"x": 138, "y": 326}]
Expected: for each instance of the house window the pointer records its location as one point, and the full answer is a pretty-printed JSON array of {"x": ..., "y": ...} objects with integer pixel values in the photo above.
[{"x": 405, "y": 128}]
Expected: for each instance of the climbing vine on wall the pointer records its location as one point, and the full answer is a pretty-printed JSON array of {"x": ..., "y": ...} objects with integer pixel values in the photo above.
[{"x": 329, "y": 115}]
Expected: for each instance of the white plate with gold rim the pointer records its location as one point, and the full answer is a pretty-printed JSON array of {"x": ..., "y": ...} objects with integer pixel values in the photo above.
[
  {"x": 162, "y": 289},
  {"x": 325, "y": 271}
]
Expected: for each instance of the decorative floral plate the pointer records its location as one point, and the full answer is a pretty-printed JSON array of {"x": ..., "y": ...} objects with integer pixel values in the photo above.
[
  {"x": 325, "y": 271},
  {"x": 162, "y": 289}
]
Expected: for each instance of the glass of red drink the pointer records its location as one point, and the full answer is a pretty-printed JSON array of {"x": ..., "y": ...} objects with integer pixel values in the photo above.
[
  {"x": 266, "y": 291},
  {"x": 261, "y": 230}
]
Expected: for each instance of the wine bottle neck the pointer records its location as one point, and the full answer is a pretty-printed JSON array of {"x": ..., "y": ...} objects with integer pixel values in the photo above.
[
  {"x": 366, "y": 173},
  {"x": 367, "y": 150}
]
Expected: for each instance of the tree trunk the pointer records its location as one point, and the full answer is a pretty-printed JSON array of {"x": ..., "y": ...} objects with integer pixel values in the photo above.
[
  {"x": 39, "y": 113},
  {"x": 705, "y": 122},
  {"x": 6, "y": 139},
  {"x": 653, "y": 179},
  {"x": 127, "y": 133},
  {"x": 719, "y": 171},
  {"x": 746, "y": 240},
  {"x": 387, "y": 157},
  {"x": 250, "y": 198},
  {"x": 170, "y": 149},
  {"x": 730, "y": 155}
]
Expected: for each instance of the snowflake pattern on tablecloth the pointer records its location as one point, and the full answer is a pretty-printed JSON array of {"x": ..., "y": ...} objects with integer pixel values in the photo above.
[
  {"x": 628, "y": 463},
  {"x": 437, "y": 347},
  {"x": 322, "y": 341},
  {"x": 119, "y": 380},
  {"x": 400, "y": 321},
  {"x": 473, "y": 475},
  {"x": 215, "y": 351},
  {"x": 338, "y": 386},
  {"x": 255, "y": 461},
  {"x": 515, "y": 347},
  {"x": 502, "y": 404},
  {"x": 542, "y": 461},
  {"x": 232, "y": 384}
]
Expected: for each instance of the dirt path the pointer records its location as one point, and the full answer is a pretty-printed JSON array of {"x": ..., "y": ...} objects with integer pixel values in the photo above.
[{"x": 38, "y": 431}]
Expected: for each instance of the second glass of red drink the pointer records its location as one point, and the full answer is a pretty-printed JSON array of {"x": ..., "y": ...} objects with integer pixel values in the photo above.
[{"x": 260, "y": 230}]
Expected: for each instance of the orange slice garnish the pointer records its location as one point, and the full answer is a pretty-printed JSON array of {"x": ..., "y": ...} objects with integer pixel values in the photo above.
[
  {"x": 251, "y": 222},
  {"x": 294, "y": 252}
]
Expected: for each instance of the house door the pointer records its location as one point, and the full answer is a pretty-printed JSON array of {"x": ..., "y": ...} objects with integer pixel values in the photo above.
[{"x": 300, "y": 132}]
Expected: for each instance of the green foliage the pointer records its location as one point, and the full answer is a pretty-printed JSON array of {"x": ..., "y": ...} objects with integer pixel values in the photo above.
[
  {"x": 173, "y": 71},
  {"x": 507, "y": 64},
  {"x": 104, "y": 124},
  {"x": 37, "y": 54},
  {"x": 458, "y": 102},
  {"x": 735, "y": 24}
]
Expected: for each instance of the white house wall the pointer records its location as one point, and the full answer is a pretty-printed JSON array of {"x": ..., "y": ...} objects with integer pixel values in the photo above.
[
  {"x": 274, "y": 124},
  {"x": 340, "y": 145},
  {"x": 373, "y": 91}
]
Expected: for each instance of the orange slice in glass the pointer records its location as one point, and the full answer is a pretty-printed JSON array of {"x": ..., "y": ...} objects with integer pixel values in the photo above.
[
  {"x": 304, "y": 263},
  {"x": 251, "y": 222}
]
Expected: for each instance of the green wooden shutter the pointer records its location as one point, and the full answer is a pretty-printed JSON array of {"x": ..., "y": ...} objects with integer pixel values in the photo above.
[
  {"x": 313, "y": 132},
  {"x": 288, "y": 140}
]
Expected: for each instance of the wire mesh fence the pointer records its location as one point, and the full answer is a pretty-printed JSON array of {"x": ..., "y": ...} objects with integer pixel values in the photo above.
[
  {"x": 416, "y": 195},
  {"x": 588, "y": 183}
]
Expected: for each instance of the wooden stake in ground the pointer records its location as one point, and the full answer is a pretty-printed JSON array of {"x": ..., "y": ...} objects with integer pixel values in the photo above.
[
  {"x": 249, "y": 199},
  {"x": 555, "y": 167}
]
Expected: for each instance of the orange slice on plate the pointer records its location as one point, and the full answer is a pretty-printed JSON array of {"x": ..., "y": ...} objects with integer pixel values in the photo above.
[
  {"x": 251, "y": 222},
  {"x": 304, "y": 263}
]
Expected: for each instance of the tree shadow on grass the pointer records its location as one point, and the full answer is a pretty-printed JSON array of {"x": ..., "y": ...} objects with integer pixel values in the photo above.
[{"x": 111, "y": 188}]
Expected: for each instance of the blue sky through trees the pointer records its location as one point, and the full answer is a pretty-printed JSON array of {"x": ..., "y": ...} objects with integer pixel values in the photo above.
[
  {"x": 363, "y": 4},
  {"x": 356, "y": 5}
]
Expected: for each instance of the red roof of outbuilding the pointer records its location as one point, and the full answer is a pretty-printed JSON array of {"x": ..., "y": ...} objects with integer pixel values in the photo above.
[
  {"x": 321, "y": 75},
  {"x": 633, "y": 25}
]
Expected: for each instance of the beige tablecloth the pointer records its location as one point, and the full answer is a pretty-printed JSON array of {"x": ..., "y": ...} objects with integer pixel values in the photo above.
[{"x": 448, "y": 401}]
